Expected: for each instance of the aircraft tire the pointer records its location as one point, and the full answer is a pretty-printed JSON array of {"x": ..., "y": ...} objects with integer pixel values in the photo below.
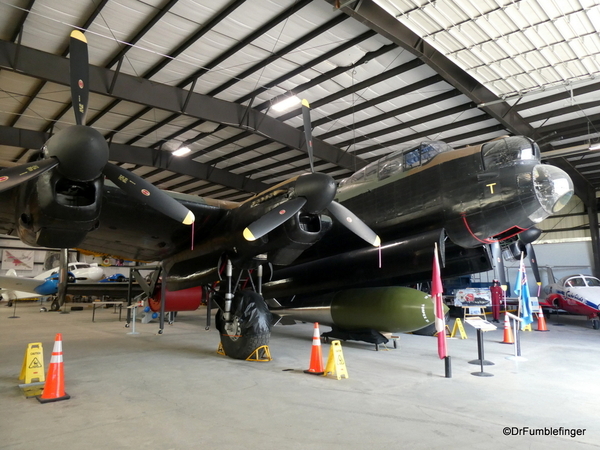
[
  {"x": 596, "y": 324},
  {"x": 251, "y": 325},
  {"x": 55, "y": 306}
]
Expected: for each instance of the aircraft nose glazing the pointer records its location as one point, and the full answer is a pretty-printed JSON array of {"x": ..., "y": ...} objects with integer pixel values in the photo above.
[{"x": 552, "y": 186}]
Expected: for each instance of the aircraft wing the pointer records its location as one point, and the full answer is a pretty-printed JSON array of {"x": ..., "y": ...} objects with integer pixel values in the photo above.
[
  {"x": 8, "y": 283},
  {"x": 129, "y": 229}
]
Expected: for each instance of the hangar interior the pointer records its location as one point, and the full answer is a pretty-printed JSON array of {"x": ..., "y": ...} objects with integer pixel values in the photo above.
[{"x": 380, "y": 76}]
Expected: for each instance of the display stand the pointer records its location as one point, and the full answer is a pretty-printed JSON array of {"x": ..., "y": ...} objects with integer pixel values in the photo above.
[
  {"x": 474, "y": 301},
  {"x": 473, "y": 312},
  {"x": 481, "y": 325}
]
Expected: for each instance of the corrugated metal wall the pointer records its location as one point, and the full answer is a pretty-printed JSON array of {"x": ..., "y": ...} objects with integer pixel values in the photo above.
[{"x": 569, "y": 226}]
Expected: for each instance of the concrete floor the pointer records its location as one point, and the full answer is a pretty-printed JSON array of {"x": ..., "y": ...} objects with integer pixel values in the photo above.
[{"x": 173, "y": 391}]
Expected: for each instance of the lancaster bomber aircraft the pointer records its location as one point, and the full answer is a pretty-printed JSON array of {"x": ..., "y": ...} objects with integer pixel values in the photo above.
[{"x": 318, "y": 244}]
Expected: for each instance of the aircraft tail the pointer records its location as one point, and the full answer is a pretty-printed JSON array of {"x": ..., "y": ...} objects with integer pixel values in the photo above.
[{"x": 551, "y": 278}]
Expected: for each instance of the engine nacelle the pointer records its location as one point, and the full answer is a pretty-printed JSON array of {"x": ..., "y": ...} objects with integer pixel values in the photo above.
[
  {"x": 182, "y": 300},
  {"x": 57, "y": 212}
]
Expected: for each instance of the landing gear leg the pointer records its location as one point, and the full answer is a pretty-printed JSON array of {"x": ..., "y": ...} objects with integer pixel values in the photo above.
[
  {"x": 208, "y": 310},
  {"x": 244, "y": 322},
  {"x": 163, "y": 287},
  {"x": 249, "y": 327}
]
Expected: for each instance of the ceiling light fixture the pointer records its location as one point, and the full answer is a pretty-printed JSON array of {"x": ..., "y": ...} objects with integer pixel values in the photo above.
[
  {"x": 286, "y": 103},
  {"x": 181, "y": 151},
  {"x": 571, "y": 151}
]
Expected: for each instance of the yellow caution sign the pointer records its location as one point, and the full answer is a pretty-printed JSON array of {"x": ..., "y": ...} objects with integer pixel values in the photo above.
[
  {"x": 458, "y": 326},
  {"x": 526, "y": 327},
  {"x": 33, "y": 364},
  {"x": 335, "y": 363}
]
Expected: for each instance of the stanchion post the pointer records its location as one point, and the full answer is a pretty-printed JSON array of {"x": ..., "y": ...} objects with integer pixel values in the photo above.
[
  {"x": 480, "y": 346},
  {"x": 516, "y": 321},
  {"x": 134, "y": 307}
]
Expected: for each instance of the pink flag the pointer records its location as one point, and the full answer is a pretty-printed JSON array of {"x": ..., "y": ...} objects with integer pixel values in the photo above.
[{"x": 436, "y": 294}]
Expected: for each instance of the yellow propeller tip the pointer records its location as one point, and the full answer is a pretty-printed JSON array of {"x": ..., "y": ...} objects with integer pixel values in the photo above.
[
  {"x": 248, "y": 235},
  {"x": 189, "y": 219},
  {"x": 305, "y": 103},
  {"x": 377, "y": 242},
  {"x": 76, "y": 34}
]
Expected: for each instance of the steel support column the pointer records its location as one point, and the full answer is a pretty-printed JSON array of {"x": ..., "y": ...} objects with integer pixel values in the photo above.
[{"x": 592, "y": 211}]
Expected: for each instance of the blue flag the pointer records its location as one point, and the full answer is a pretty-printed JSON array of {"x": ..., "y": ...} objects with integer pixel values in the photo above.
[{"x": 522, "y": 291}]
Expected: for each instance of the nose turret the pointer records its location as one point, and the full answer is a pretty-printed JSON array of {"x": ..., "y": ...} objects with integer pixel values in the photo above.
[{"x": 553, "y": 189}]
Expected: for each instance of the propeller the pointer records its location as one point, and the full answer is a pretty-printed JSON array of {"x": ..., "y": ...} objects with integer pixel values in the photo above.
[
  {"x": 527, "y": 237},
  {"x": 80, "y": 74},
  {"x": 533, "y": 262},
  {"x": 308, "y": 133},
  {"x": 524, "y": 245},
  {"x": 353, "y": 223},
  {"x": 314, "y": 192},
  {"x": 14, "y": 176},
  {"x": 273, "y": 219},
  {"x": 80, "y": 153}
]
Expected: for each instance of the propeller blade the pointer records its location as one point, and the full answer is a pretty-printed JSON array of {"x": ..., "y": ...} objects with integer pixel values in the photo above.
[
  {"x": 534, "y": 264},
  {"x": 145, "y": 192},
  {"x": 79, "y": 75},
  {"x": 308, "y": 132},
  {"x": 14, "y": 176},
  {"x": 353, "y": 223},
  {"x": 498, "y": 264},
  {"x": 273, "y": 219}
]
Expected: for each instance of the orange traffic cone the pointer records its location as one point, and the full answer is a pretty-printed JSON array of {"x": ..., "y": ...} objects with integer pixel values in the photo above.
[
  {"x": 508, "y": 333},
  {"x": 54, "y": 390},
  {"x": 316, "y": 358},
  {"x": 541, "y": 321}
]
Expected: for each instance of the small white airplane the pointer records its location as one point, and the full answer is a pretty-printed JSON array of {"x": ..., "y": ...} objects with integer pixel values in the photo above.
[
  {"x": 14, "y": 287},
  {"x": 576, "y": 294}
]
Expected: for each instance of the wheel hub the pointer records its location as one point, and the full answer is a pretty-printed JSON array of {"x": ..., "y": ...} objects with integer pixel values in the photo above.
[{"x": 233, "y": 329}]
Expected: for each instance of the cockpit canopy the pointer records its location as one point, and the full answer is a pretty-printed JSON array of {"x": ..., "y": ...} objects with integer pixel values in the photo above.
[
  {"x": 399, "y": 161},
  {"x": 509, "y": 150},
  {"x": 581, "y": 281}
]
